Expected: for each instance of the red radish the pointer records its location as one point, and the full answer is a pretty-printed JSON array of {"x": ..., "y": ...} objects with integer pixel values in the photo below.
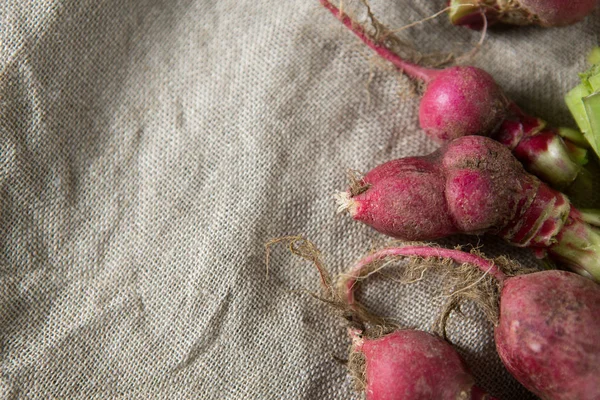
[
  {"x": 471, "y": 13},
  {"x": 559, "y": 346},
  {"x": 391, "y": 363},
  {"x": 462, "y": 100},
  {"x": 474, "y": 185},
  {"x": 548, "y": 331},
  {"x": 415, "y": 365}
]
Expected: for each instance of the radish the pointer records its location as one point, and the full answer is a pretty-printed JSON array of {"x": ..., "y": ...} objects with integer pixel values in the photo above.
[
  {"x": 412, "y": 365},
  {"x": 474, "y": 185},
  {"x": 548, "y": 330},
  {"x": 390, "y": 363},
  {"x": 463, "y": 100},
  {"x": 548, "y": 13}
]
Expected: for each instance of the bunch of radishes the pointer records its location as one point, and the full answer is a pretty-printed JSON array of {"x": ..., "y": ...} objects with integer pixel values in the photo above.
[
  {"x": 548, "y": 327},
  {"x": 464, "y": 100},
  {"x": 547, "y": 335},
  {"x": 473, "y": 184}
]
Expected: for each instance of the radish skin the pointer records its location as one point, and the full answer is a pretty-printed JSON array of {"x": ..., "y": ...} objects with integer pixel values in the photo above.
[
  {"x": 549, "y": 334},
  {"x": 415, "y": 365}
]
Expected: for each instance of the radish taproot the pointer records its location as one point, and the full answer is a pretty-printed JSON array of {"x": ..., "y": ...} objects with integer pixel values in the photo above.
[
  {"x": 473, "y": 185},
  {"x": 388, "y": 363},
  {"x": 464, "y": 100},
  {"x": 547, "y": 332},
  {"x": 548, "y": 13}
]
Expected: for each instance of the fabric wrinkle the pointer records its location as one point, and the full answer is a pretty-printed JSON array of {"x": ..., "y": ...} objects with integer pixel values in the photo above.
[{"x": 210, "y": 335}]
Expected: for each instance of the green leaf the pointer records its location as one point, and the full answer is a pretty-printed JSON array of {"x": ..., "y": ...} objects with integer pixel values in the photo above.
[
  {"x": 594, "y": 82},
  {"x": 592, "y": 110},
  {"x": 576, "y": 107},
  {"x": 594, "y": 56},
  {"x": 583, "y": 102},
  {"x": 574, "y": 136},
  {"x": 591, "y": 216}
]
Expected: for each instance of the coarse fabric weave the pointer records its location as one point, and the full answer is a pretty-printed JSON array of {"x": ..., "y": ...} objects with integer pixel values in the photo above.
[{"x": 149, "y": 149}]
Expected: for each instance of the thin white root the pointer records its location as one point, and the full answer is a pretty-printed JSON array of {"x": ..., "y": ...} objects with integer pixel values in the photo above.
[{"x": 345, "y": 203}]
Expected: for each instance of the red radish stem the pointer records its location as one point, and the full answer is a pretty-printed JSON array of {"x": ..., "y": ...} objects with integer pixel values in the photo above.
[
  {"x": 546, "y": 13},
  {"x": 460, "y": 257},
  {"x": 548, "y": 332},
  {"x": 474, "y": 185},
  {"x": 413, "y": 70},
  {"x": 460, "y": 101}
]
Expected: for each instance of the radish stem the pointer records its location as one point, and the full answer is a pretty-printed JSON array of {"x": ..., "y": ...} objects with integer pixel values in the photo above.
[
  {"x": 360, "y": 270},
  {"x": 412, "y": 70}
]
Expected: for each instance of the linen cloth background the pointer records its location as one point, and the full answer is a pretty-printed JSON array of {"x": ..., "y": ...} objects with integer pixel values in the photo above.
[{"x": 149, "y": 149}]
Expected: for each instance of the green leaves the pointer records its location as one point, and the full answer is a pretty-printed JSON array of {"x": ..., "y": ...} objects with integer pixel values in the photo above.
[{"x": 584, "y": 102}]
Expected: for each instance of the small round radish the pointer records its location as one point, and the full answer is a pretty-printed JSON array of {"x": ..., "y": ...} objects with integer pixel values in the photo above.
[
  {"x": 416, "y": 365},
  {"x": 461, "y": 101},
  {"x": 405, "y": 363},
  {"x": 450, "y": 94}
]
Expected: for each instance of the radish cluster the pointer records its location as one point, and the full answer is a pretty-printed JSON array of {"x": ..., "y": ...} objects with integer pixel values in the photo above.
[
  {"x": 473, "y": 185},
  {"x": 460, "y": 101},
  {"x": 548, "y": 330}
]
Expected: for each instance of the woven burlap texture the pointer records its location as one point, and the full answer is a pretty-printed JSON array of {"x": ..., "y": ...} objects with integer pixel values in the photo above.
[{"x": 149, "y": 149}]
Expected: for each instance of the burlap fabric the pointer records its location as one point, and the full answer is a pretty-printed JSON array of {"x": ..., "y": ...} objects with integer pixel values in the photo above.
[{"x": 149, "y": 149}]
